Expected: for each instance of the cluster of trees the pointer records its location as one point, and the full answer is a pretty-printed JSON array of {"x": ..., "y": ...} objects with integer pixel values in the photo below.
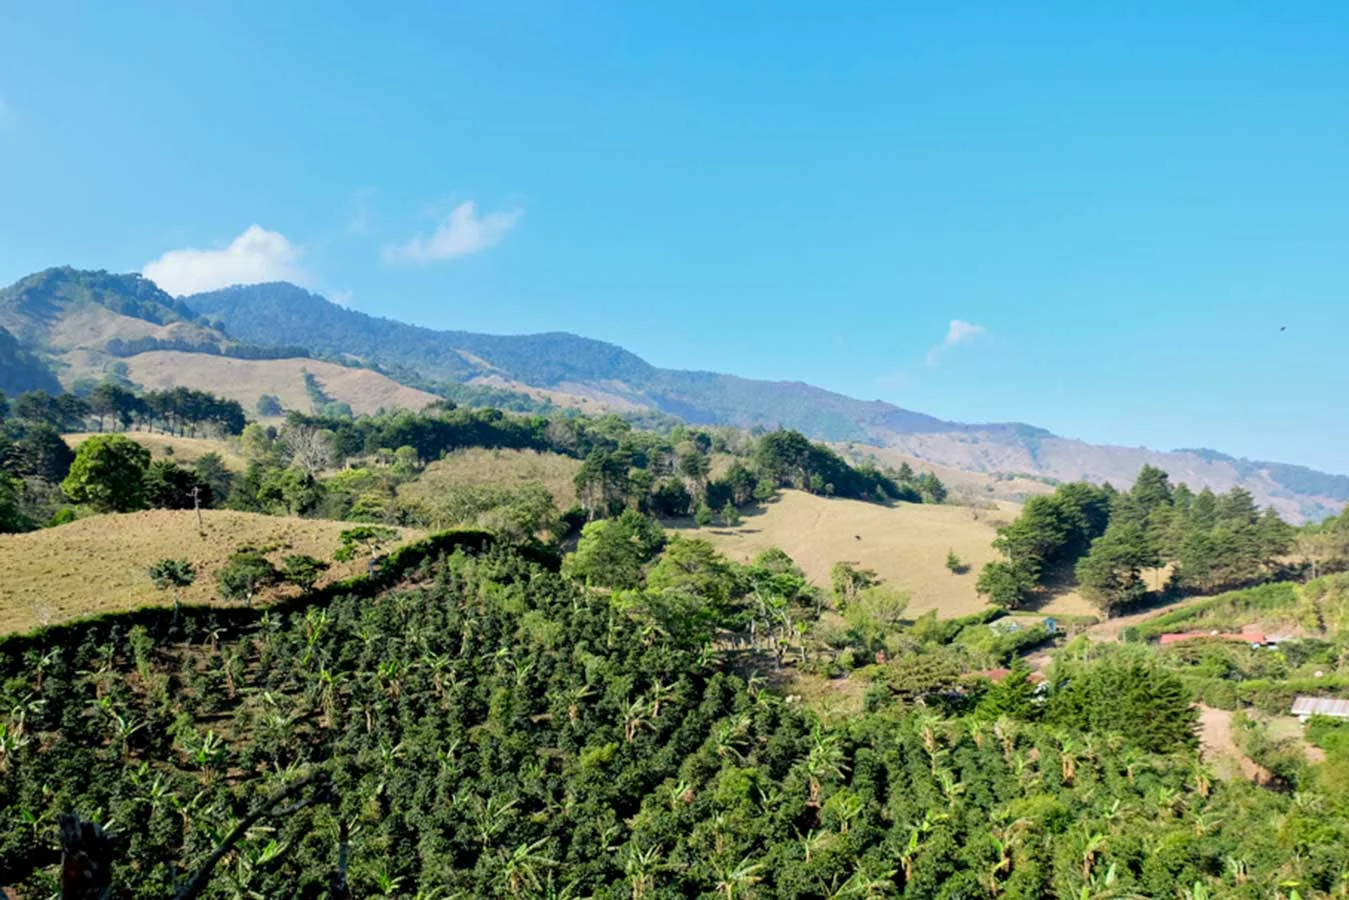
[
  {"x": 493, "y": 729},
  {"x": 133, "y": 346},
  {"x": 40, "y": 476},
  {"x": 178, "y": 411},
  {"x": 673, "y": 478},
  {"x": 324, "y": 404},
  {"x": 113, "y": 473},
  {"x": 1107, "y": 539},
  {"x": 789, "y": 459},
  {"x": 667, "y": 474}
]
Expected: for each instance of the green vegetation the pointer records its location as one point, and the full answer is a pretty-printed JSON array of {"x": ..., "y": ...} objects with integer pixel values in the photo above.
[
  {"x": 1107, "y": 539},
  {"x": 533, "y": 737},
  {"x": 109, "y": 474},
  {"x": 21, "y": 370}
]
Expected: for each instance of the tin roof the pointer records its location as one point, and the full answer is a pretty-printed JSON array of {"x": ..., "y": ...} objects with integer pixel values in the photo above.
[{"x": 1321, "y": 706}]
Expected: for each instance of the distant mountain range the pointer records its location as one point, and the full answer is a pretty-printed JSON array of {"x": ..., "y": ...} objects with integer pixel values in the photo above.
[{"x": 81, "y": 323}]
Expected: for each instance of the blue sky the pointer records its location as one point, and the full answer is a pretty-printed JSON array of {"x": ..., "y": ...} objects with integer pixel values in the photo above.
[{"x": 1121, "y": 203}]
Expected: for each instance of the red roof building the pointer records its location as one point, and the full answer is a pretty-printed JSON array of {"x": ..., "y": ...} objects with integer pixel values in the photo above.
[{"x": 1249, "y": 634}]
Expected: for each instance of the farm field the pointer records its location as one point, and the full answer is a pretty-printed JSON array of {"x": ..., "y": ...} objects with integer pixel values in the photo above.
[
  {"x": 906, "y": 544},
  {"x": 98, "y": 565}
]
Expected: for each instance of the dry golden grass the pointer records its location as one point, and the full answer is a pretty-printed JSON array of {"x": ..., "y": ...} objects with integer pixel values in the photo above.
[
  {"x": 508, "y": 468},
  {"x": 98, "y": 565},
  {"x": 246, "y": 380},
  {"x": 185, "y": 450},
  {"x": 906, "y": 544}
]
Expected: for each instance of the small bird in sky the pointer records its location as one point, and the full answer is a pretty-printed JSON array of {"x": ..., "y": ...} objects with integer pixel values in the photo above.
[{"x": 1283, "y": 327}]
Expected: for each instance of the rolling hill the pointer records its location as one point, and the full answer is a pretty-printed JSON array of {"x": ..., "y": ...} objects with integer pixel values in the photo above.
[
  {"x": 56, "y": 574},
  {"x": 611, "y": 376},
  {"x": 248, "y": 340},
  {"x": 70, "y": 325}
]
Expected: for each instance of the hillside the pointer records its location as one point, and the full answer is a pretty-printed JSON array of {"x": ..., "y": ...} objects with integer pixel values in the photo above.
[
  {"x": 905, "y": 544},
  {"x": 245, "y": 380},
  {"x": 612, "y": 377},
  {"x": 246, "y": 341},
  {"x": 183, "y": 450},
  {"x": 283, "y": 313},
  {"x": 21, "y": 370},
  {"x": 75, "y": 570}
]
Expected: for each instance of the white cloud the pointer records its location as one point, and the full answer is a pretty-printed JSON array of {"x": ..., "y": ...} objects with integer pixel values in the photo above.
[
  {"x": 462, "y": 233},
  {"x": 959, "y": 332},
  {"x": 256, "y": 256}
]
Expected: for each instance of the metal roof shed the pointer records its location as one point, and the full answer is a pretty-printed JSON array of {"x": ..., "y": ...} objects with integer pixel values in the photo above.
[{"x": 1306, "y": 707}]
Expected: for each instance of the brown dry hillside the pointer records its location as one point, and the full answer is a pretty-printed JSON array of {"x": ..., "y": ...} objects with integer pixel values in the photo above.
[
  {"x": 906, "y": 544},
  {"x": 968, "y": 487},
  {"x": 246, "y": 380},
  {"x": 509, "y": 468},
  {"x": 185, "y": 450},
  {"x": 98, "y": 565}
]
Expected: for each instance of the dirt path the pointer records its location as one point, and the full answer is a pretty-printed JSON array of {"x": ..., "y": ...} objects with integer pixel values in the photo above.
[{"x": 1219, "y": 747}]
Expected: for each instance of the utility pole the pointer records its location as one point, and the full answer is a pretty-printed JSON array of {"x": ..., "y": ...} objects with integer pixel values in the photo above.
[{"x": 196, "y": 506}]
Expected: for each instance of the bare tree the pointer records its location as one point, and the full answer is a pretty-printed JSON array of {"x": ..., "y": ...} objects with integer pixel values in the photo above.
[{"x": 310, "y": 448}]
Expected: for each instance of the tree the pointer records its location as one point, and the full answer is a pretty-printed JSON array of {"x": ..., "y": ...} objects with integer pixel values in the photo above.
[
  {"x": 693, "y": 566},
  {"x": 1126, "y": 693},
  {"x": 876, "y": 611},
  {"x": 12, "y": 518},
  {"x": 257, "y": 444},
  {"x": 1151, "y": 490},
  {"x": 730, "y": 516},
  {"x": 694, "y": 465},
  {"x": 173, "y": 575},
  {"x": 670, "y": 499},
  {"x": 954, "y": 564},
  {"x": 311, "y": 449},
  {"x": 246, "y": 572},
  {"x": 37, "y": 451},
  {"x": 1006, "y": 584},
  {"x": 302, "y": 570},
  {"x": 1013, "y": 696},
  {"x": 270, "y": 405},
  {"x": 211, "y": 471},
  {"x": 365, "y": 540},
  {"x": 602, "y": 483},
  {"x": 611, "y": 552},
  {"x": 931, "y": 488},
  {"x": 170, "y": 486},
  {"x": 109, "y": 474},
  {"x": 1110, "y": 575},
  {"x": 702, "y": 516},
  {"x": 110, "y": 399},
  {"x": 848, "y": 581}
]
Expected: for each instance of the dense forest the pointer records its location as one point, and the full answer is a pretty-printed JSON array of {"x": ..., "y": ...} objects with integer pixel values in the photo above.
[{"x": 478, "y": 725}]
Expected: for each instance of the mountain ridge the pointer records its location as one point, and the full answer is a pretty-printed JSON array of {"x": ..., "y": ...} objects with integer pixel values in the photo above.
[{"x": 82, "y": 325}]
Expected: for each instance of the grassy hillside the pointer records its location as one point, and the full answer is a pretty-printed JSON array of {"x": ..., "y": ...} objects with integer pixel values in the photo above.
[
  {"x": 906, "y": 544},
  {"x": 184, "y": 450},
  {"x": 505, "y": 468},
  {"x": 98, "y": 565},
  {"x": 247, "y": 379}
]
